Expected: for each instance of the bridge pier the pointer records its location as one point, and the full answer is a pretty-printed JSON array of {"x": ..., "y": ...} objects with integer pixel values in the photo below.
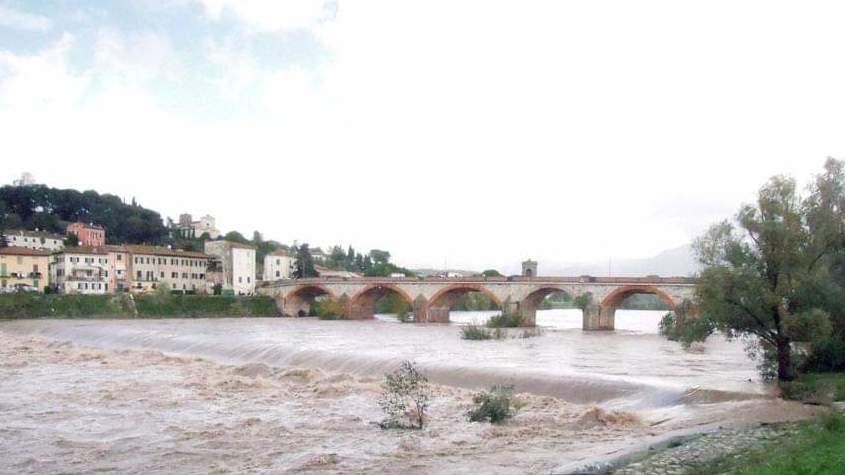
[{"x": 598, "y": 317}]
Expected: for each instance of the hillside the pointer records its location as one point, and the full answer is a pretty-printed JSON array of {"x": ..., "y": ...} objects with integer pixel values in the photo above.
[{"x": 50, "y": 209}]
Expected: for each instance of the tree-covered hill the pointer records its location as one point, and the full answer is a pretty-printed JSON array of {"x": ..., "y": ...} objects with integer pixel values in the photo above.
[{"x": 50, "y": 209}]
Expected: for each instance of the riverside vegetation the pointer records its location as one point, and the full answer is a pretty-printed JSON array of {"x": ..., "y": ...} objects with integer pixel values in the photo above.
[
  {"x": 776, "y": 274},
  {"x": 158, "y": 304}
]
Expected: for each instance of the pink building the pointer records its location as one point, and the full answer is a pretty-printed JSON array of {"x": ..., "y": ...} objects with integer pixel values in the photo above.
[{"x": 90, "y": 235}]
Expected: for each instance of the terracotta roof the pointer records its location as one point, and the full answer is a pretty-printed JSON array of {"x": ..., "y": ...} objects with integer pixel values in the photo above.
[
  {"x": 233, "y": 244},
  {"x": 163, "y": 251},
  {"x": 280, "y": 252},
  {"x": 83, "y": 250},
  {"x": 86, "y": 225},
  {"x": 22, "y": 251}
]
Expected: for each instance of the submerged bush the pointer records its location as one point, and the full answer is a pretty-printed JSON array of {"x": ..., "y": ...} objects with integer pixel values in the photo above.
[
  {"x": 505, "y": 320},
  {"x": 405, "y": 397},
  {"x": 494, "y": 405},
  {"x": 328, "y": 309},
  {"x": 478, "y": 332}
]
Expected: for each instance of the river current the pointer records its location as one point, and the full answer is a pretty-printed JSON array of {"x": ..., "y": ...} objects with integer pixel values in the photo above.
[{"x": 300, "y": 394}]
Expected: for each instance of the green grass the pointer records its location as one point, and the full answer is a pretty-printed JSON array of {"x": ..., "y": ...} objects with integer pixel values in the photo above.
[
  {"x": 817, "y": 449},
  {"x": 121, "y": 306},
  {"x": 815, "y": 388},
  {"x": 836, "y": 381},
  {"x": 204, "y": 306}
]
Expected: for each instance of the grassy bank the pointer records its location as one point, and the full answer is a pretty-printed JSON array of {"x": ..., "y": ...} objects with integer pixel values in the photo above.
[
  {"x": 143, "y": 306},
  {"x": 817, "y": 448}
]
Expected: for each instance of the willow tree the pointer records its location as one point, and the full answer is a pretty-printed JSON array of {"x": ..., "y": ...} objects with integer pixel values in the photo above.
[{"x": 764, "y": 271}]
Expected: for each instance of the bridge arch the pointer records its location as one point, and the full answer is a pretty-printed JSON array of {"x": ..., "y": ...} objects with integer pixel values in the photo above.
[
  {"x": 297, "y": 302},
  {"x": 442, "y": 300},
  {"x": 605, "y": 316},
  {"x": 362, "y": 305},
  {"x": 531, "y": 302},
  {"x": 616, "y": 297}
]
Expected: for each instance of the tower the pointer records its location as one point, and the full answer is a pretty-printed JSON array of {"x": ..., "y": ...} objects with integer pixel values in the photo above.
[{"x": 529, "y": 268}]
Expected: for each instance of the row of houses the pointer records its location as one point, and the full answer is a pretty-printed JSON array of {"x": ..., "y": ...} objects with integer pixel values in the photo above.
[
  {"x": 136, "y": 268},
  {"x": 88, "y": 234}
]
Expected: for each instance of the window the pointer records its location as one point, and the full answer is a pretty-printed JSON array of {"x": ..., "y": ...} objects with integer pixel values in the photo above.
[
  {"x": 20, "y": 259},
  {"x": 162, "y": 274},
  {"x": 120, "y": 257},
  {"x": 174, "y": 275},
  {"x": 240, "y": 280},
  {"x": 139, "y": 275},
  {"x": 248, "y": 280},
  {"x": 278, "y": 274}
]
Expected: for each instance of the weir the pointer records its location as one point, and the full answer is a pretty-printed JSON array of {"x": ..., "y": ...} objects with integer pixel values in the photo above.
[{"x": 431, "y": 298}]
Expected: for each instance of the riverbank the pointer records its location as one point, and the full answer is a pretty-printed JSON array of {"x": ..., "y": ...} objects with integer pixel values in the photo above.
[
  {"x": 158, "y": 305},
  {"x": 222, "y": 396},
  {"x": 815, "y": 446}
]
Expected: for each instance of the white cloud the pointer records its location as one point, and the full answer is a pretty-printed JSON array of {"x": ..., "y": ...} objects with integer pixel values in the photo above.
[
  {"x": 137, "y": 57},
  {"x": 42, "y": 82},
  {"x": 15, "y": 19},
  {"x": 274, "y": 15},
  {"x": 477, "y": 132}
]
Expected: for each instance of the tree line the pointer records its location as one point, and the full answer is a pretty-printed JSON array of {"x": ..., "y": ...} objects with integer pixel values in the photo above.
[{"x": 51, "y": 209}]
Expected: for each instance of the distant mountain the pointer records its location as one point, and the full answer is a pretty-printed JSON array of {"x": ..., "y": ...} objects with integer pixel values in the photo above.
[{"x": 679, "y": 261}]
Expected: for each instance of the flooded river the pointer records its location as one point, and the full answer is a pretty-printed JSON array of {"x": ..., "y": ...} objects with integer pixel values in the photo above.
[{"x": 293, "y": 395}]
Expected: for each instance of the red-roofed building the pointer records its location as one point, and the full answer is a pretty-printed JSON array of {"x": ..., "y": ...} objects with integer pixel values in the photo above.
[{"x": 90, "y": 235}]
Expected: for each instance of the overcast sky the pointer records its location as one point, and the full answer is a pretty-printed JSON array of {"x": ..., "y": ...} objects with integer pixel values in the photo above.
[{"x": 476, "y": 133}]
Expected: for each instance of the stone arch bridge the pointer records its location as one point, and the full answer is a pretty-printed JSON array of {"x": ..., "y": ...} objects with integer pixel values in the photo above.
[{"x": 431, "y": 298}]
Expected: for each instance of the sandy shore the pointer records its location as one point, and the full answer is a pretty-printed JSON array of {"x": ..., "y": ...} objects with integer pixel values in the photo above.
[{"x": 65, "y": 408}]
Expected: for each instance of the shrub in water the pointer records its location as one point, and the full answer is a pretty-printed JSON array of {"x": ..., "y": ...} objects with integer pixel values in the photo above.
[
  {"x": 505, "y": 320},
  {"x": 494, "y": 405},
  {"x": 405, "y": 397},
  {"x": 329, "y": 309},
  {"x": 478, "y": 332}
]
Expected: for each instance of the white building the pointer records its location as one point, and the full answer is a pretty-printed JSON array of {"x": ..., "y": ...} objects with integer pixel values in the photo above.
[
  {"x": 26, "y": 179},
  {"x": 34, "y": 240},
  {"x": 190, "y": 229},
  {"x": 277, "y": 266},
  {"x": 80, "y": 270},
  {"x": 151, "y": 266},
  {"x": 238, "y": 265}
]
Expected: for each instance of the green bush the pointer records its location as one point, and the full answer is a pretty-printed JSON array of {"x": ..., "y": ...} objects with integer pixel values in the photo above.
[
  {"x": 505, "y": 320},
  {"x": 328, "y": 309},
  {"x": 826, "y": 355},
  {"x": 678, "y": 326},
  {"x": 494, "y": 405},
  {"x": 478, "y": 332},
  {"x": 405, "y": 397}
]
